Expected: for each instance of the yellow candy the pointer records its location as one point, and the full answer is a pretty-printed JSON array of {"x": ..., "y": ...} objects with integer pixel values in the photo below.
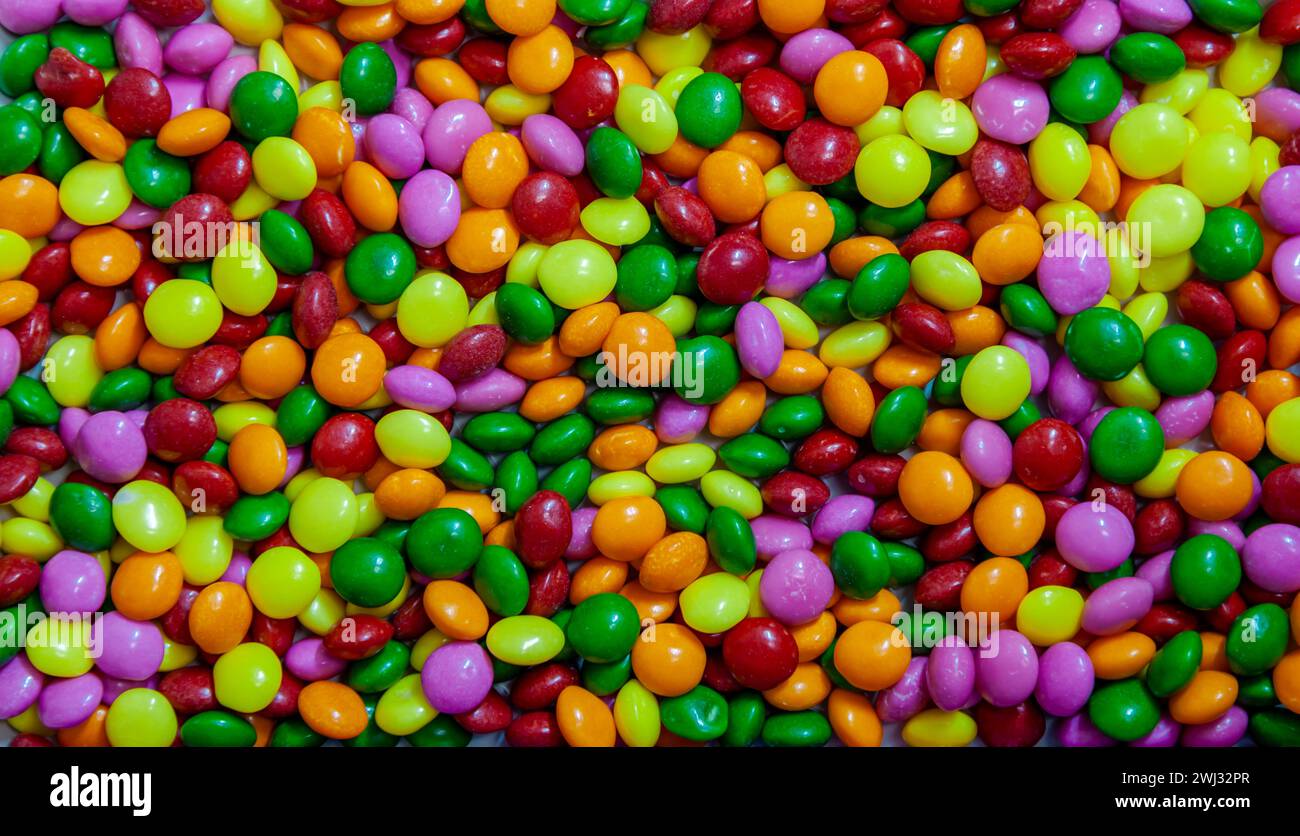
[
  {"x": 672, "y": 85},
  {"x": 855, "y": 345},
  {"x": 646, "y": 117},
  {"x": 680, "y": 463},
  {"x": 1219, "y": 110},
  {"x": 935, "y": 727},
  {"x": 205, "y": 549},
  {"x": 30, "y": 537},
  {"x": 247, "y": 677},
  {"x": 323, "y": 612},
  {"x": 404, "y": 709},
  {"x": 779, "y": 180},
  {"x": 1218, "y": 168},
  {"x": 1182, "y": 92},
  {"x": 1148, "y": 311},
  {"x": 946, "y": 280},
  {"x": 797, "y": 327},
  {"x": 1282, "y": 430},
  {"x": 619, "y": 484},
  {"x": 15, "y": 253},
  {"x": 233, "y": 417},
  {"x": 939, "y": 123},
  {"x": 525, "y": 640},
  {"x": 665, "y": 53},
  {"x": 523, "y": 265},
  {"x": 1050, "y": 614},
  {"x": 1165, "y": 274},
  {"x": 425, "y": 645},
  {"x": 1059, "y": 162},
  {"x": 577, "y": 273},
  {"x": 1251, "y": 65},
  {"x": 510, "y": 106},
  {"x": 891, "y": 171},
  {"x": 1149, "y": 141},
  {"x": 677, "y": 313},
  {"x": 410, "y": 438},
  {"x": 70, "y": 370},
  {"x": 1264, "y": 154},
  {"x": 636, "y": 715},
  {"x": 249, "y": 21},
  {"x": 35, "y": 504},
  {"x": 888, "y": 121},
  {"x": 271, "y": 58},
  {"x": 724, "y": 489},
  {"x": 1172, "y": 215},
  {"x": 1133, "y": 389},
  {"x": 324, "y": 515},
  {"x": 61, "y": 647},
  {"x": 282, "y": 582},
  {"x": 283, "y": 168},
  {"x": 617, "y": 221},
  {"x": 432, "y": 309},
  {"x": 995, "y": 383},
  {"x": 252, "y": 203},
  {"x": 94, "y": 192},
  {"x": 148, "y": 516},
  {"x": 243, "y": 279},
  {"x": 715, "y": 603},
  {"x": 1160, "y": 482},
  {"x": 182, "y": 313},
  {"x": 141, "y": 717}
]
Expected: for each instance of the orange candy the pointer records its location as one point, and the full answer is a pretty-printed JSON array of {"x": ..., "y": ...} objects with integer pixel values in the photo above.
[
  {"x": 1009, "y": 520},
  {"x": 348, "y": 369},
  {"x": 272, "y": 367},
  {"x": 456, "y": 610},
  {"x": 625, "y": 447},
  {"x": 332, "y": 710},
  {"x": 494, "y": 166},
  {"x": 1206, "y": 697},
  {"x": 29, "y": 205},
  {"x": 584, "y": 720},
  {"x": 147, "y": 585},
  {"x": 1214, "y": 486},
  {"x": 671, "y": 564},
  {"x": 484, "y": 240},
  {"x": 1237, "y": 426},
  {"x": 258, "y": 459},
  {"x": 369, "y": 196},
  {"x": 1121, "y": 655},
  {"x": 935, "y": 488},
  {"x": 639, "y": 349},
  {"x": 220, "y": 617},
  {"x": 849, "y": 401},
  {"x": 853, "y": 718},
  {"x": 104, "y": 256},
  {"x": 194, "y": 132},
  {"x": 668, "y": 659},
  {"x": 732, "y": 186},
  {"x": 1007, "y": 253},
  {"x": 872, "y": 655},
  {"x": 625, "y": 528},
  {"x": 739, "y": 410},
  {"x": 586, "y": 328},
  {"x": 797, "y": 225},
  {"x": 959, "y": 64},
  {"x": 850, "y": 88},
  {"x": 326, "y": 137},
  {"x": 996, "y": 585}
]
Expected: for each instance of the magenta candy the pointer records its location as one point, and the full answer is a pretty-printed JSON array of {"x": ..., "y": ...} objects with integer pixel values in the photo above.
[
  {"x": 453, "y": 126},
  {"x": 237, "y": 569},
  {"x": 774, "y": 535},
  {"x": 22, "y": 17},
  {"x": 1074, "y": 273},
  {"x": 1286, "y": 269},
  {"x": 796, "y": 586},
  {"x": 137, "y": 215},
  {"x": 552, "y": 145},
  {"x": 1277, "y": 113},
  {"x": 1117, "y": 605},
  {"x": 1099, "y": 132},
  {"x": 1010, "y": 108},
  {"x": 1227, "y": 529},
  {"x": 197, "y": 48},
  {"x": 429, "y": 207},
  {"x": 787, "y": 278},
  {"x": 309, "y": 660},
  {"x": 1040, "y": 365},
  {"x": 1229, "y": 728},
  {"x": 188, "y": 92},
  {"x": 1065, "y": 679},
  {"x": 456, "y": 677},
  {"x": 1076, "y": 485},
  {"x": 490, "y": 391},
  {"x": 1271, "y": 558},
  {"x": 1155, "y": 571},
  {"x": 1089, "y": 424},
  {"x": 678, "y": 421},
  {"x": 845, "y": 513},
  {"x": 1078, "y": 732},
  {"x": 394, "y": 146},
  {"x": 950, "y": 676},
  {"x": 63, "y": 703},
  {"x": 1163, "y": 16},
  {"x": 807, "y": 52},
  {"x": 1163, "y": 736},
  {"x": 411, "y": 105},
  {"x": 93, "y": 12},
  {"x": 73, "y": 582},
  {"x": 10, "y": 359},
  {"x": 1006, "y": 668},
  {"x": 416, "y": 387},
  {"x": 759, "y": 341},
  {"x": 1094, "y": 537},
  {"x": 110, "y": 447},
  {"x": 20, "y": 685},
  {"x": 581, "y": 546},
  {"x": 1185, "y": 418},
  {"x": 127, "y": 649},
  {"x": 114, "y": 687},
  {"x": 1070, "y": 395},
  {"x": 71, "y": 420},
  {"x": 986, "y": 452},
  {"x": 1093, "y": 27},
  {"x": 1280, "y": 200},
  {"x": 906, "y": 697},
  {"x": 136, "y": 44}
]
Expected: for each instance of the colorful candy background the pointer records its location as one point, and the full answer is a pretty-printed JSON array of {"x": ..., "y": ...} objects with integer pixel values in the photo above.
[{"x": 772, "y": 372}]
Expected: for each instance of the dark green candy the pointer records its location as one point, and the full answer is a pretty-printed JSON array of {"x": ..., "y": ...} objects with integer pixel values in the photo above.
[
  {"x": 1123, "y": 710},
  {"x": 684, "y": 508},
  {"x": 898, "y": 420},
  {"x": 1126, "y": 445},
  {"x": 1088, "y": 90},
  {"x": 368, "y": 78},
  {"x": 285, "y": 242},
  {"x": 20, "y": 140},
  {"x": 705, "y": 370},
  {"x": 379, "y": 268},
  {"x": 754, "y": 456},
  {"x": 798, "y": 728},
  {"x": 699, "y": 714},
  {"x": 731, "y": 541},
  {"x": 156, "y": 177},
  {"x": 1175, "y": 664},
  {"x": 792, "y": 418},
  {"x": 466, "y": 468},
  {"x": 121, "y": 390},
  {"x": 256, "y": 517},
  {"x": 709, "y": 110},
  {"x": 1025, "y": 309},
  {"x": 367, "y": 572},
  {"x": 498, "y": 432},
  {"x": 746, "y": 714},
  {"x": 879, "y": 286},
  {"x": 516, "y": 479},
  {"x": 860, "y": 565},
  {"x": 613, "y": 162},
  {"x": 1103, "y": 343},
  {"x": 620, "y": 406},
  {"x": 444, "y": 542},
  {"x": 19, "y": 62},
  {"x": 82, "y": 516},
  {"x": 501, "y": 581},
  {"x": 1204, "y": 571},
  {"x": 301, "y": 413},
  {"x": 1257, "y": 639},
  {"x": 525, "y": 314},
  {"x": 1148, "y": 57},
  {"x": 604, "y": 627},
  {"x": 380, "y": 672},
  {"x": 211, "y": 729},
  {"x": 262, "y": 104},
  {"x": 1230, "y": 246},
  {"x": 647, "y": 276},
  {"x": 1180, "y": 360},
  {"x": 562, "y": 439}
]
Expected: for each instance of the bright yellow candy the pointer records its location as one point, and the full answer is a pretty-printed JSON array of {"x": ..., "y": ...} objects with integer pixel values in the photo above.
[
  {"x": 1059, "y": 161},
  {"x": 326, "y": 94},
  {"x": 324, "y": 515},
  {"x": 724, "y": 489},
  {"x": 646, "y": 117},
  {"x": 680, "y": 463},
  {"x": 233, "y": 417},
  {"x": 888, "y": 121},
  {"x": 1149, "y": 141},
  {"x": 1218, "y": 168},
  {"x": 1172, "y": 215},
  {"x": 432, "y": 309},
  {"x": 247, "y": 677},
  {"x": 941, "y": 124},
  {"x": 665, "y": 53},
  {"x": 94, "y": 192},
  {"x": 677, "y": 313},
  {"x": 1264, "y": 154},
  {"x": 35, "y": 504},
  {"x": 176, "y": 655},
  {"x": 1050, "y": 614},
  {"x": 1161, "y": 482},
  {"x": 410, "y": 438},
  {"x": 523, "y": 265},
  {"x": 141, "y": 717},
  {"x": 252, "y": 203},
  {"x": 1166, "y": 273},
  {"x": 182, "y": 313},
  {"x": 271, "y": 58},
  {"x": 797, "y": 327},
  {"x": 323, "y": 612},
  {"x": 892, "y": 171},
  {"x": 1148, "y": 311},
  {"x": 15, "y": 253},
  {"x": 70, "y": 370},
  {"x": 854, "y": 345},
  {"x": 935, "y": 727},
  {"x": 1219, "y": 110},
  {"x": 779, "y": 180},
  {"x": 619, "y": 484},
  {"x": 1251, "y": 65},
  {"x": 30, "y": 537},
  {"x": 243, "y": 279},
  {"x": 1182, "y": 92},
  {"x": 995, "y": 383},
  {"x": 946, "y": 280},
  {"x": 510, "y": 106},
  {"x": 61, "y": 647},
  {"x": 715, "y": 603},
  {"x": 404, "y": 709},
  {"x": 525, "y": 640},
  {"x": 148, "y": 516},
  {"x": 617, "y": 221},
  {"x": 283, "y": 168},
  {"x": 205, "y": 549},
  {"x": 249, "y": 21},
  {"x": 671, "y": 86},
  {"x": 1282, "y": 430},
  {"x": 282, "y": 582},
  {"x": 577, "y": 273},
  {"x": 636, "y": 715}
]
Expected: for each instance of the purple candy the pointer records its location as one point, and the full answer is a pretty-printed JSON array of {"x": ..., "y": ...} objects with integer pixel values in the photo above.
[
  {"x": 788, "y": 278},
  {"x": 552, "y": 145},
  {"x": 807, "y": 52},
  {"x": 20, "y": 685},
  {"x": 1089, "y": 424},
  {"x": 1040, "y": 365},
  {"x": 136, "y": 44},
  {"x": 1094, "y": 537},
  {"x": 64, "y": 703},
  {"x": 1099, "y": 132},
  {"x": 1271, "y": 558},
  {"x": 1074, "y": 273},
  {"x": 395, "y": 148},
  {"x": 1280, "y": 200},
  {"x": 581, "y": 546},
  {"x": 222, "y": 81},
  {"x": 1184, "y": 418},
  {"x": 10, "y": 357},
  {"x": 411, "y": 105},
  {"x": 678, "y": 421},
  {"x": 128, "y": 649},
  {"x": 490, "y": 391},
  {"x": 1227, "y": 529},
  {"x": 1010, "y": 108},
  {"x": 796, "y": 586},
  {"x": 950, "y": 676},
  {"x": 1078, "y": 732},
  {"x": 1277, "y": 113},
  {"x": 986, "y": 452},
  {"x": 1093, "y": 27},
  {"x": 759, "y": 341},
  {"x": 137, "y": 215},
  {"x": 73, "y": 582},
  {"x": 1163, "y": 736},
  {"x": 197, "y": 48},
  {"x": 1070, "y": 395},
  {"x": 840, "y": 515},
  {"x": 188, "y": 92},
  {"x": 22, "y": 17},
  {"x": 1229, "y": 728},
  {"x": 1006, "y": 668},
  {"x": 401, "y": 62},
  {"x": 1117, "y": 605},
  {"x": 110, "y": 447},
  {"x": 1286, "y": 269},
  {"x": 1155, "y": 571},
  {"x": 1163, "y": 16},
  {"x": 457, "y": 677},
  {"x": 309, "y": 660},
  {"x": 1065, "y": 679},
  {"x": 453, "y": 126},
  {"x": 775, "y": 534},
  {"x": 416, "y": 387},
  {"x": 429, "y": 207},
  {"x": 237, "y": 569},
  {"x": 93, "y": 12},
  {"x": 906, "y": 697}
]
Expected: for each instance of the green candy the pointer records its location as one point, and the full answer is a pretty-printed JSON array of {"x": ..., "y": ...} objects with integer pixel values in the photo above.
[
  {"x": 1126, "y": 445},
  {"x": 1148, "y": 57},
  {"x": 860, "y": 565},
  {"x": 731, "y": 541},
  {"x": 715, "y": 320},
  {"x": 285, "y": 242},
  {"x": 1257, "y": 639},
  {"x": 906, "y": 564},
  {"x": 1123, "y": 710},
  {"x": 501, "y": 581},
  {"x": 367, "y": 572},
  {"x": 59, "y": 154},
  {"x": 88, "y": 43},
  {"x": 1277, "y": 727},
  {"x": 301, "y": 413},
  {"x": 570, "y": 480},
  {"x": 898, "y": 420},
  {"x": 792, "y": 418},
  {"x": 746, "y": 714},
  {"x": 879, "y": 286},
  {"x": 1016, "y": 423},
  {"x": 1291, "y": 66},
  {"x": 294, "y": 733},
  {"x": 709, "y": 110},
  {"x": 946, "y": 389},
  {"x": 1026, "y": 310},
  {"x": 256, "y": 517},
  {"x": 1180, "y": 360},
  {"x": 372, "y": 737},
  {"x": 1175, "y": 664},
  {"x": 925, "y": 42},
  {"x": 1204, "y": 571},
  {"x": 1088, "y": 90},
  {"x": 475, "y": 14},
  {"x": 606, "y": 678},
  {"x": 922, "y": 631},
  {"x": 684, "y": 508},
  {"x": 382, "y": 671},
  {"x": 604, "y": 627},
  {"x": 466, "y": 468},
  {"x": 1103, "y": 343},
  {"x": 368, "y": 78},
  {"x": 20, "y": 140},
  {"x": 798, "y": 728},
  {"x": 525, "y": 314},
  {"x": 846, "y": 221},
  {"x": 989, "y": 8},
  {"x": 613, "y": 162},
  {"x": 754, "y": 456},
  {"x": 647, "y": 276},
  {"x": 562, "y": 439},
  {"x": 705, "y": 370},
  {"x": 379, "y": 268},
  {"x": 82, "y": 516},
  {"x": 121, "y": 390},
  {"x": 516, "y": 479},
  {"x": 621, "y": 32},
  {"x": 699, "y": 714},
  {"x": 620, "y": 406},
  {"x": 498, "y": 432},
  {"x": 1229, "y": 16},
  {"x": 595, "y": 12},
  {"x": 262, "y": 104},
  {"x": 441, "y": 732},
  {"x": 893, "y": 222},
  {"x": 1257, "y": 691},
  {"x": 827, "y": 302},
  {"x": 156, "y": 177},
  {"x": 1230, "y": 246},
  {"x": 444, "y": 542},
  {"x": 212, "y": 729},
  {"x": 19, "y": 62}
]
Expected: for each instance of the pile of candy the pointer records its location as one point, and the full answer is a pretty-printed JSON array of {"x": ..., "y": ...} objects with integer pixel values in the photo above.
[{"x": 654, "y": 373}]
